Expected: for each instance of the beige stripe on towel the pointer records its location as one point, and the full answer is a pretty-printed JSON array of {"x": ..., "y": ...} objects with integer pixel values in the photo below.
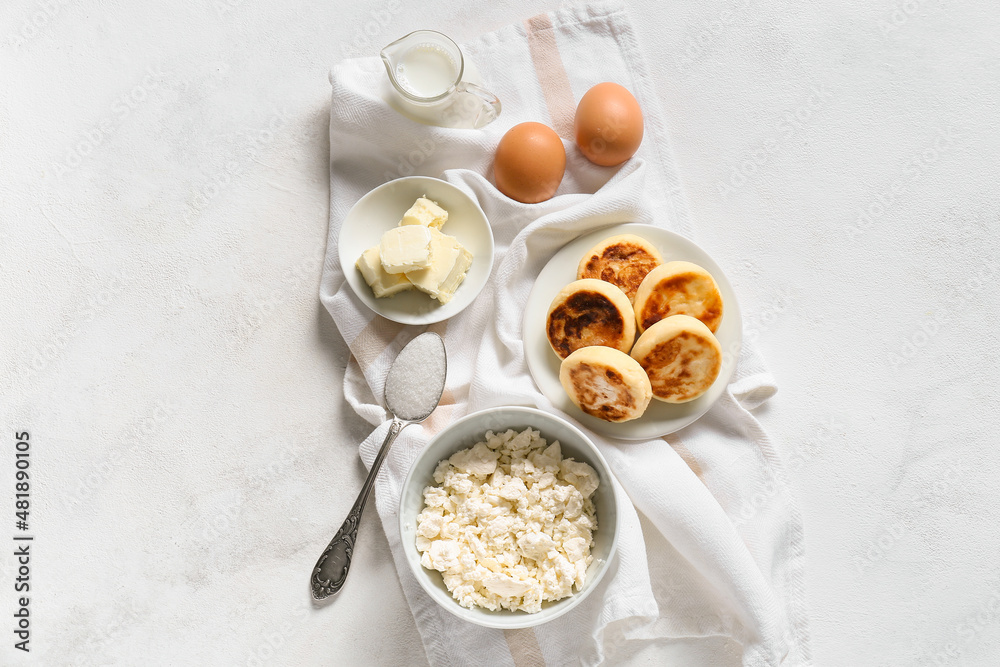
[
  {"x": 442, "y": 415},
  {"x": 551, "y": 74},
  {"x": 524, "y": 648},
  {"x": 523, "y": 643},
  {"x": 684, "y": 453},
  {"x": 373, "y": 339}
]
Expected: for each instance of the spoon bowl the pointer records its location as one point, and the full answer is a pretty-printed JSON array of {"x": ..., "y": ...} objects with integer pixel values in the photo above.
[{"x": 415, "y": 381}]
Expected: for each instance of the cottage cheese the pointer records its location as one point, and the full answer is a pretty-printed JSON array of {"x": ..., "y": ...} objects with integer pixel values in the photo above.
[{"x": 509, "y": 522}]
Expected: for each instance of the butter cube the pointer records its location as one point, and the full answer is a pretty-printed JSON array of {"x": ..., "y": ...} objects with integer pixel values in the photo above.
[
  {"x": 383, "y": 284},
  {"x": 425, "y": 212},
  {"x": 405, "y": 249},
  {"x": 449, "y": 263}
]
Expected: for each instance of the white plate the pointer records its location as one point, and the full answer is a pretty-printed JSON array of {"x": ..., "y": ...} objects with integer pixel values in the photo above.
[
  {"x": 380, "y": 210},
  {"x": 660, "y": 418}
]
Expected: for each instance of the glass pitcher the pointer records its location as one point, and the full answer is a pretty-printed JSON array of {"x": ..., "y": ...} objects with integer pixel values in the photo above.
[{"x": 433, "y": 83}]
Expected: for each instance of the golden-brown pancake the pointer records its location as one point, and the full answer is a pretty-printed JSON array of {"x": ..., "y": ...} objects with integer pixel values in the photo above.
[
  {"x": 622, "y": 260},
  {"x": 678, "y": 288},
  {"x": 590, "y": 312},
  {"x": 681, "y": 357},
  {"x": 606, "y": 383}
]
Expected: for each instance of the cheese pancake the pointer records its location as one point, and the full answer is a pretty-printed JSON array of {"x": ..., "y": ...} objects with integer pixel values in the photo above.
[
  {"x": 678, "y": 288},
  {"x": 606, "y": 383},
  {"x": 590, "y": 312},
  {"x": 681, "y": 357},
  {"x": 622, "y": 260}
]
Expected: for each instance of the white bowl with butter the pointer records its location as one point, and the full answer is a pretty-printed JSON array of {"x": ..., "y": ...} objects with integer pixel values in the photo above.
[
  {"x": 382, "y": 210},
  {"x": 464, "y": 434}
]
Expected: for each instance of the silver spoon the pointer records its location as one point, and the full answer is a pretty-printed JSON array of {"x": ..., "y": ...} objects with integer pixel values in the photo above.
[{"x": 413, "y": 388}]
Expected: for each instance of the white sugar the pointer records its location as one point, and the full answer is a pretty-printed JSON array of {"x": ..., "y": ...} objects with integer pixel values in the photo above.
[{"x": 416, "y": 379}]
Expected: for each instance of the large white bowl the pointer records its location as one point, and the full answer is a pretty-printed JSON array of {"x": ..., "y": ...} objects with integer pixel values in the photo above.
[
  {"x": 465, "y": 433},
  {"x": 380, "y": 210}
]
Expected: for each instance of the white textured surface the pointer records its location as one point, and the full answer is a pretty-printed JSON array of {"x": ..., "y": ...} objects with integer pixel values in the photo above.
[{"x": 165, "y": 346}]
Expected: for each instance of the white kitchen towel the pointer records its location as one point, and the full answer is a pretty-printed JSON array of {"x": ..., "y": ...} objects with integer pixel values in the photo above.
[{"x": 713, "y": 545}]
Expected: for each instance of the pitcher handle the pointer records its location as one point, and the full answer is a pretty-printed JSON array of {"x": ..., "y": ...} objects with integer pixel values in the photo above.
[{"x": 491, "y": 104}]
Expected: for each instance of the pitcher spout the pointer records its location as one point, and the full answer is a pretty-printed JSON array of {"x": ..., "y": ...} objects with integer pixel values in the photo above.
[{"x": 390, "y": 56}]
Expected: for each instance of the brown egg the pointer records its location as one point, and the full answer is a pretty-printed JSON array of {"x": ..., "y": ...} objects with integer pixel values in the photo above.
[
  {"x": 529, "y": 163},
  {"x": 608, "y": 124}
]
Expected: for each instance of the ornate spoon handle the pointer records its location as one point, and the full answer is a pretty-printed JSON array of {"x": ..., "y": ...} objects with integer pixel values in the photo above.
[{"x": 330, "y": 573}]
